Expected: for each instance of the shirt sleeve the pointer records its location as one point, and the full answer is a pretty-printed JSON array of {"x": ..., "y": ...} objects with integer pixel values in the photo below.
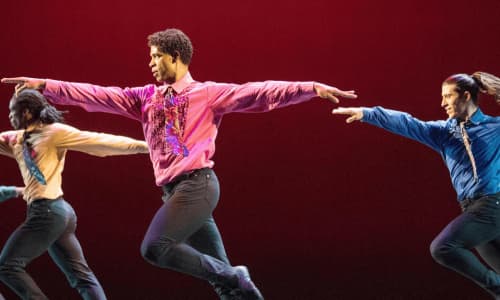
[
  {"x": 5, "y": 148},
  {"x": 7, "y": 192},
  {"x": 427, "y": 133},
  {"x": 258, "y": 96},
  {"x": 93, "y": 143},
  {"x": 94, "y": 98}
]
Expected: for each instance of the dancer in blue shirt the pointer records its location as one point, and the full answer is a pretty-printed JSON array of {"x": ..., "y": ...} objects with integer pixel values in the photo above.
[{"x": 469, "y": 143}]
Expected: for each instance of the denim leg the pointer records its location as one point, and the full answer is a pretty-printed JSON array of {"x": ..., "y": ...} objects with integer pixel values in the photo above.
[
  {"x": 183, "y": 214},
  {"x": 476, "y": 226},
  {"x": 67, "y": 253},
  {"x": 31, "y": 239}
]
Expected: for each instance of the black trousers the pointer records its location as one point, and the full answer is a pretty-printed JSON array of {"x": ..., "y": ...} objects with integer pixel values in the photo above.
[
  {"x": 183, "y": 235},
  {"x": 478, "y": 227},
  {"x": 49, "y": 225}
]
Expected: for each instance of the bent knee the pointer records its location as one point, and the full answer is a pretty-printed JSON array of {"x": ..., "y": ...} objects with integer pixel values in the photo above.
[
  {"x": 82, "y": 278},
  {"x": 441, "y": 250},
  {"x": 156, "y": 250}
]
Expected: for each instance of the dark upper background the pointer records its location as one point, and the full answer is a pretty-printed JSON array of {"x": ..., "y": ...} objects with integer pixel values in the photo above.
[{"x": 317, "y": 209}]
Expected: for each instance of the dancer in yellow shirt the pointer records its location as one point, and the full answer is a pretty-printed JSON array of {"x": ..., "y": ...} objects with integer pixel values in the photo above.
[{"x": 39, "y": 144}]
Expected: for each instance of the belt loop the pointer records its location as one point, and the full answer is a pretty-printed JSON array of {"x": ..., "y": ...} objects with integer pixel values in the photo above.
[{"x": 467, "y": 202}]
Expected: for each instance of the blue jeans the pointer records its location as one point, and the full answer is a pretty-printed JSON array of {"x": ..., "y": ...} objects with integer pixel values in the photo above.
[
  {"x": 183, "y": 235},
  {"x": 477, "y": 227},
  {"x": 49, "y": 225}
]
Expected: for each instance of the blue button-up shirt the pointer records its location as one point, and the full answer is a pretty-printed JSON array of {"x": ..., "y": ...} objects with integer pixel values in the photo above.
[{"x": 445, "y": 137}]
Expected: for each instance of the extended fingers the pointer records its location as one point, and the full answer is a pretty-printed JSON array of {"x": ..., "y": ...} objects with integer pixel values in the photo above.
[
  {"x": 351, "y": 119},
  {"x": 332, "y": 98},
  {"x": 347, "y": 94},
  {"x": 354, "y": 114},
  {"x": 342, "y": 111},
  {"x": 19, "y": 87},
  {"x": 13, "y": 80}
]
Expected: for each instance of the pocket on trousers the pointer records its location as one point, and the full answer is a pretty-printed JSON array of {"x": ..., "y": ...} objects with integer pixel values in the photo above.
[
  {"x": 38, "y": 210},
  {"x": 487, "y": 210},
  {"x": 61, "y": 211},
  {"x": 211, "y": 190}
]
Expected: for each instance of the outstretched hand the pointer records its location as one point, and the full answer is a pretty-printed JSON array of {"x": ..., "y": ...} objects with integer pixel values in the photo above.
[
  {"x": 331, "y": 93},
  {"x": 25, "y": 83},
  {"x": 355, "y": 113}
]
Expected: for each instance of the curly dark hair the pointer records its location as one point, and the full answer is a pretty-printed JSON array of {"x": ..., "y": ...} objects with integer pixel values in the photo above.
[
  {"x": 37, "y": 105},
  {"x": 173, "y": 40}
]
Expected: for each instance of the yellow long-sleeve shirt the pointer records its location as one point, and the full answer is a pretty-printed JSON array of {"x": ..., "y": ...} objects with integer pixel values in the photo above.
[{"x": 50, "y": 143}]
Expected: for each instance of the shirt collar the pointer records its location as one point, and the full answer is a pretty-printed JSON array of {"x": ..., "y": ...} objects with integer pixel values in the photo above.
[
  {"x": 179, "y": 85},
  {"x": 477, "y": 118}
]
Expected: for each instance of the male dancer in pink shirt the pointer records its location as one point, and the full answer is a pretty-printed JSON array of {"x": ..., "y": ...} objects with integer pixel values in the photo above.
[{"x": 180, "y": 119}]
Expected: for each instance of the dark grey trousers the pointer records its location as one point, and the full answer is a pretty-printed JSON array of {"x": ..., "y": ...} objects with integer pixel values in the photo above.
[
  {"x": 49, "y": 225},
  {"x": 183, "y": 235},
  {"x": 478, "y": 227}
]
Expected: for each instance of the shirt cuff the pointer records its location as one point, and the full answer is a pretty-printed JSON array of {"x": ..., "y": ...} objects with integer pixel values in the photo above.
[
  {"x": 368, "y": 114},
  {"x": 9, "y": 192}
]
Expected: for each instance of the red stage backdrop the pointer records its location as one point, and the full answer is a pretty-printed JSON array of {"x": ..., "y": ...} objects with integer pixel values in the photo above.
[{"x": 316, "y": 208}]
